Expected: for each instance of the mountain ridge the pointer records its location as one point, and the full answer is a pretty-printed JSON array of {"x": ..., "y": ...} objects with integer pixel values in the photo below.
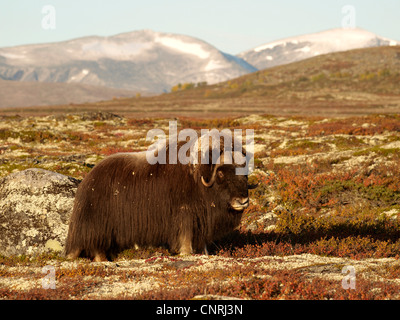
[
  {"x": 368, "y": 70},
  {"x": 145, "y": 61},
  {"x": 355, "y": 82},
  {"x": 301, "y": 47}
]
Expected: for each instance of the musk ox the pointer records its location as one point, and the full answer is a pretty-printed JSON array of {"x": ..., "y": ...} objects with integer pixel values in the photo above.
[{"x": 125, "y": 202}]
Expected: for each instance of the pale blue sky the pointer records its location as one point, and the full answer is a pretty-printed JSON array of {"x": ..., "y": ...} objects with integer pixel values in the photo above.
[{"x": 230, "y": 25}]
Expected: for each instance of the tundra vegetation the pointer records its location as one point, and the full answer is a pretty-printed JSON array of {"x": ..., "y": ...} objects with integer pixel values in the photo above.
[{"x": 328, "y": 197}]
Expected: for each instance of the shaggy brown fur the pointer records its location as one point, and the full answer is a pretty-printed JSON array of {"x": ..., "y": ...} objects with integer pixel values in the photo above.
[{"x": 124, "y": 202}]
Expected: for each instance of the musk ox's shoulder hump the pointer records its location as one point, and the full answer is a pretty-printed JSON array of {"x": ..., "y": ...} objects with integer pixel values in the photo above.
[
  {"x": 121, "y": 162},
  {"x": 129, "y": 155}
]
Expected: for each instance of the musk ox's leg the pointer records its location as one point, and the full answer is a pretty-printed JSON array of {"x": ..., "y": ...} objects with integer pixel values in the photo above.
[
  {"x": 74, "y": 254},
  {"x": 205, "y": 250},
  {"x": 185, "y": 232},
  {"x": 99, "y": 257},
  {"x": 185, "y": 243}
]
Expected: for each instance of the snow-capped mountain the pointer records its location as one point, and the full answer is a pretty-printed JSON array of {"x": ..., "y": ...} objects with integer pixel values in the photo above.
[
  {"x": 152, "y": 62},
  {"x": 306, "y": 46},
  {"x": 145, "y": 61}
]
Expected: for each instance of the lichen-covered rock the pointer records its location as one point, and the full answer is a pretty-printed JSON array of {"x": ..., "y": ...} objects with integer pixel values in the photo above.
[{"x": 35, "y": 207}]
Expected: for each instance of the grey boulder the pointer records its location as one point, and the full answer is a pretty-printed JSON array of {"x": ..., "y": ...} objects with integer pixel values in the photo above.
[{"x": 35, "y": 208}]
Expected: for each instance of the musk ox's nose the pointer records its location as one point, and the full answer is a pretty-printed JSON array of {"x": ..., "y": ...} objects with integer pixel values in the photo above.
[{"x": 240, "y": 203}]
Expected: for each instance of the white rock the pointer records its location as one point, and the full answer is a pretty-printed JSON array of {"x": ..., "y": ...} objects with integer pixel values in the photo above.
[{"x": 35, "y": 207}]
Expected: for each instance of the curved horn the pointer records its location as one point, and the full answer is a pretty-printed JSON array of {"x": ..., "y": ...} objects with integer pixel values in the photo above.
[
  {"x": 213, "y": 176},
  {"x": 207, "y": 184}
]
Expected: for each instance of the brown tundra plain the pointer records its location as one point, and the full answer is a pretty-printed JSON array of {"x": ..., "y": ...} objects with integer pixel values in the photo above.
[
  {"x": 328, "y": 198},
  {"x": 323, "y": 223}
]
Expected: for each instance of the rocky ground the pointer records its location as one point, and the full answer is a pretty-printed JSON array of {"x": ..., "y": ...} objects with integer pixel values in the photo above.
[
  {"x": 323, "y": 222},
  {"x": 304, "y": 276}
]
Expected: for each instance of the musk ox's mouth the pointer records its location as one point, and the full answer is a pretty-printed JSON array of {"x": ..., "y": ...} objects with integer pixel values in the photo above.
[{"x": 240, "y": 204}]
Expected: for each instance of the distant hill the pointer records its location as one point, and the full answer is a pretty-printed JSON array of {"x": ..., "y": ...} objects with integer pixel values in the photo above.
[
  {"x": 356, "y": 82},
  {"x": 25, "y": 94},
  {"x": 353, "y": 74},
  {"x": 350, "y": 82},
  {"x": 310, "y": 45},
  {"x": 95, "y": 68}
]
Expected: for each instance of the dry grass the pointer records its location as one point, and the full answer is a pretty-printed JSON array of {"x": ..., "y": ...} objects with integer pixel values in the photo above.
[{"x": 328, "y": 196}]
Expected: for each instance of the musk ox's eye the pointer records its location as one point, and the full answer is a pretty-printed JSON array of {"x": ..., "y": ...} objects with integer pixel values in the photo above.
[{"x": 220, "y": 174}]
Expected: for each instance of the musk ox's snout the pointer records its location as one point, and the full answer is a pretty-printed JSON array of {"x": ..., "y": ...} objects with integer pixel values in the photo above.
[{"x": 240, "y": 204}]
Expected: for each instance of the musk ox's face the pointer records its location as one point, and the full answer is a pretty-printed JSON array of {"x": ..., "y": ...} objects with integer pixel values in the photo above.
[{"x": 231, "y": 188}]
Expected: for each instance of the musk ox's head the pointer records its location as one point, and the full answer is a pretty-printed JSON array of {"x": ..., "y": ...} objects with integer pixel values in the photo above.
[
  {"x": 217, "y": 160},
  {"x": 231, "y": 188},
  {"x": 226, "y": 173}
]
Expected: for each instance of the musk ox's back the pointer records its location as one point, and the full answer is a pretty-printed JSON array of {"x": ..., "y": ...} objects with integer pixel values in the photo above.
[{"x": 124, "y": 201}]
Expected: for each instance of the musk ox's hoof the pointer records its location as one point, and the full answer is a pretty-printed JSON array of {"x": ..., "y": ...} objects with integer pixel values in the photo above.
[
  {"x": 74, "y": 254},
  {"x": 100, "y": 257}
]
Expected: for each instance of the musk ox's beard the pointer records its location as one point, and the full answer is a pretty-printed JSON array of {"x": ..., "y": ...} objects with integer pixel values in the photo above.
[{"x": 239, "y": 204}]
